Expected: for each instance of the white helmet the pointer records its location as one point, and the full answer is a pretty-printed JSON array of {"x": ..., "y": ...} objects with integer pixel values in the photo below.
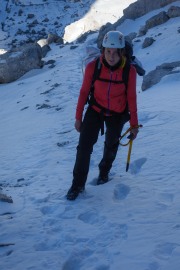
[{"x": 114, "y": 39}]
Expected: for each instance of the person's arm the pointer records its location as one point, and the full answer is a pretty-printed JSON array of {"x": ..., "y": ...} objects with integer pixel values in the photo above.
[
  {"x": 84, "y": 92},
  {"x": 132, "y": 101}
]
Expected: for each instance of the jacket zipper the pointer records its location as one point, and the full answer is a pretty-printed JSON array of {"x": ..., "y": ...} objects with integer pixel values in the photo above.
[{"x": 109, "y": 89}]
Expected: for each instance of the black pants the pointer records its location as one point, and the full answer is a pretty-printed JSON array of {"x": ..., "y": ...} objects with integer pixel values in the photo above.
[{"x": 88, "y": 137}]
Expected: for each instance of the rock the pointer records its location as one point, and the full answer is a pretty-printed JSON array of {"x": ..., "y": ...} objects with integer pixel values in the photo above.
[
  {"x": 46, "y": 20},
  {"x": 30, "y": 16},
  {"x": 84, "y": 36},
  {"x": 16, "y": 62},
  {"x": 50, "y": 62},
  {"x": 5, "y": 198},
  {"x": 142, "y": 31},
  {"x": 54, "y": 38},
  {"x": 131, "y": 36},
  {"x": 173, "y": 12},
  {"x": 158, "y": 19},
  {"x": 147, "y": 42},
  {"x": 142, "y": 7},
  {"x": 44, "y": 46},
  {"x": 154, "y": 76},
  {"x": 136, "y": 10}
]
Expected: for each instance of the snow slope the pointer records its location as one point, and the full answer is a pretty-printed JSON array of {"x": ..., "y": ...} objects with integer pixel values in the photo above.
[
  {"x": 132, "y": 222},
  {"x": 99, "y": 14}
]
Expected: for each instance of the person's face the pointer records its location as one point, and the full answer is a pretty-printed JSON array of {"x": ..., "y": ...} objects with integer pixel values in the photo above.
[{"x": 112, "y": 56}]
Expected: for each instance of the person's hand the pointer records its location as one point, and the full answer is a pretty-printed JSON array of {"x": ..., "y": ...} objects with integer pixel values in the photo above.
[
  {"x": 77, "y": 125},
  {"x": 134, "y": 132}
]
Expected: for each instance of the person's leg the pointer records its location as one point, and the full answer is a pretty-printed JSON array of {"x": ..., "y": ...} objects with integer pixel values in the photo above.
[
  {"x": 88, "y": 137},
  {"x": 114, "y": 126}
]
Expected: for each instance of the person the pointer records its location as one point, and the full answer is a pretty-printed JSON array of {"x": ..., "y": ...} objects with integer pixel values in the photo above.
[{"x": 110, "y": 107}]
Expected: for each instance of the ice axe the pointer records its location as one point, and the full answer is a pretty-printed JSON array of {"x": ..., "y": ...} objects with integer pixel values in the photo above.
[
  {"x": 130, "y": 142},
  {"x": 130, "y": 137}
]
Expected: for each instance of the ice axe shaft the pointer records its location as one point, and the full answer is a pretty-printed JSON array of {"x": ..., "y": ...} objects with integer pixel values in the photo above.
[{"x": 129, "y": 155}]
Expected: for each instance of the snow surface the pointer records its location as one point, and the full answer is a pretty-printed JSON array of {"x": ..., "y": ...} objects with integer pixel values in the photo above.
[
  {"x": 130, "y": 223},
  {"x": 99, "y": 14}
]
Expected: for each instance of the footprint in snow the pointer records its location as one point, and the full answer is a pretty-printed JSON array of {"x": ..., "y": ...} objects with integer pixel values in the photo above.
[
  {"x": 165, "y": 250},
  {"x": 153, "y": 266},
  {"x": 145, "y": 117},
  {"x": 136, "y": 166},
  {"x": 166, "y": 197},
  {"x": 75, "y": 260},
  {"x": 90, "y": 217},
  {"x": 121, "y": 191},
  {"x": 121, "y": 231},
  {"x": 165, "y": 200}
]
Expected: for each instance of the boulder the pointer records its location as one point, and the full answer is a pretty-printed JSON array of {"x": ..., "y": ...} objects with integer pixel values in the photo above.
[
  {"x": 44, "y": 46},
  {"x": 142, "y": 31},
  {"x": 16, "y": 62},
  {"x": 154, "y": 76},
  {"x": 53, "y": 38},
  {"x": 131, "y": 36},
  {"x": 173, "y": 12},
  {"x": 158, "y": 19},
  {"x": 148, "y": 41}
]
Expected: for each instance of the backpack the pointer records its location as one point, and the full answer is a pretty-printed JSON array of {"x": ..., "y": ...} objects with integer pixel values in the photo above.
[
  {"x": 94, "y": 52},
  {"x": 133, "y": 59}
]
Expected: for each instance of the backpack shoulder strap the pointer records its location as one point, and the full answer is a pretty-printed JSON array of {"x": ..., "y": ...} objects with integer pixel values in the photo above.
[
  {"x": 96, "y": 74},
  {"x": 97, "y": 71},
  {"x": 125, "y": 75}
]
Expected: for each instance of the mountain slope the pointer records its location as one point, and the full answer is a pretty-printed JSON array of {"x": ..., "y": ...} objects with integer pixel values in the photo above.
[
  {"x": 31, "y": 20},
  {"x": 133, "y": 221}
]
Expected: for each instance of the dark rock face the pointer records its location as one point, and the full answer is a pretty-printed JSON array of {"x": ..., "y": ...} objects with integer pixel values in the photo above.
[
  {"x": 16, "y": 62},
  {"x": 157, "y": 74},
  {"x": 141, "y": 7}
]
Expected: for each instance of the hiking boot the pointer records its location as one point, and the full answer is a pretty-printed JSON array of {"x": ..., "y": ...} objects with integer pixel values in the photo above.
[
  {"x": 73, "y": 192},
  {"x": 103, "y": 178}
]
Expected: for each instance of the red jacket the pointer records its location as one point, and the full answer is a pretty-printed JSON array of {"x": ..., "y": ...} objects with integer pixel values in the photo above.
[{"x": 109, "y": 95}]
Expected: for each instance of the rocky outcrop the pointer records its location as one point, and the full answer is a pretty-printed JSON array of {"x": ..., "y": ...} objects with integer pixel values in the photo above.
[
  {"x": 173, "y": 12},
  {"x": 141, "y": 7},
  {"x": 154, "y": 76},
  {"x": 155, "y": 20},
  {"x": 53, "y": 38},
  {"x": 159, "y": 19},
  {"x": 16, "y": 62},
  {"x": 43, "y": 43}
]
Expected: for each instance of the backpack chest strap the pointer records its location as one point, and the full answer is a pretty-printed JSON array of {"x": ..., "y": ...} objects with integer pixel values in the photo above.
[{"x": 110, "y": 81}]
